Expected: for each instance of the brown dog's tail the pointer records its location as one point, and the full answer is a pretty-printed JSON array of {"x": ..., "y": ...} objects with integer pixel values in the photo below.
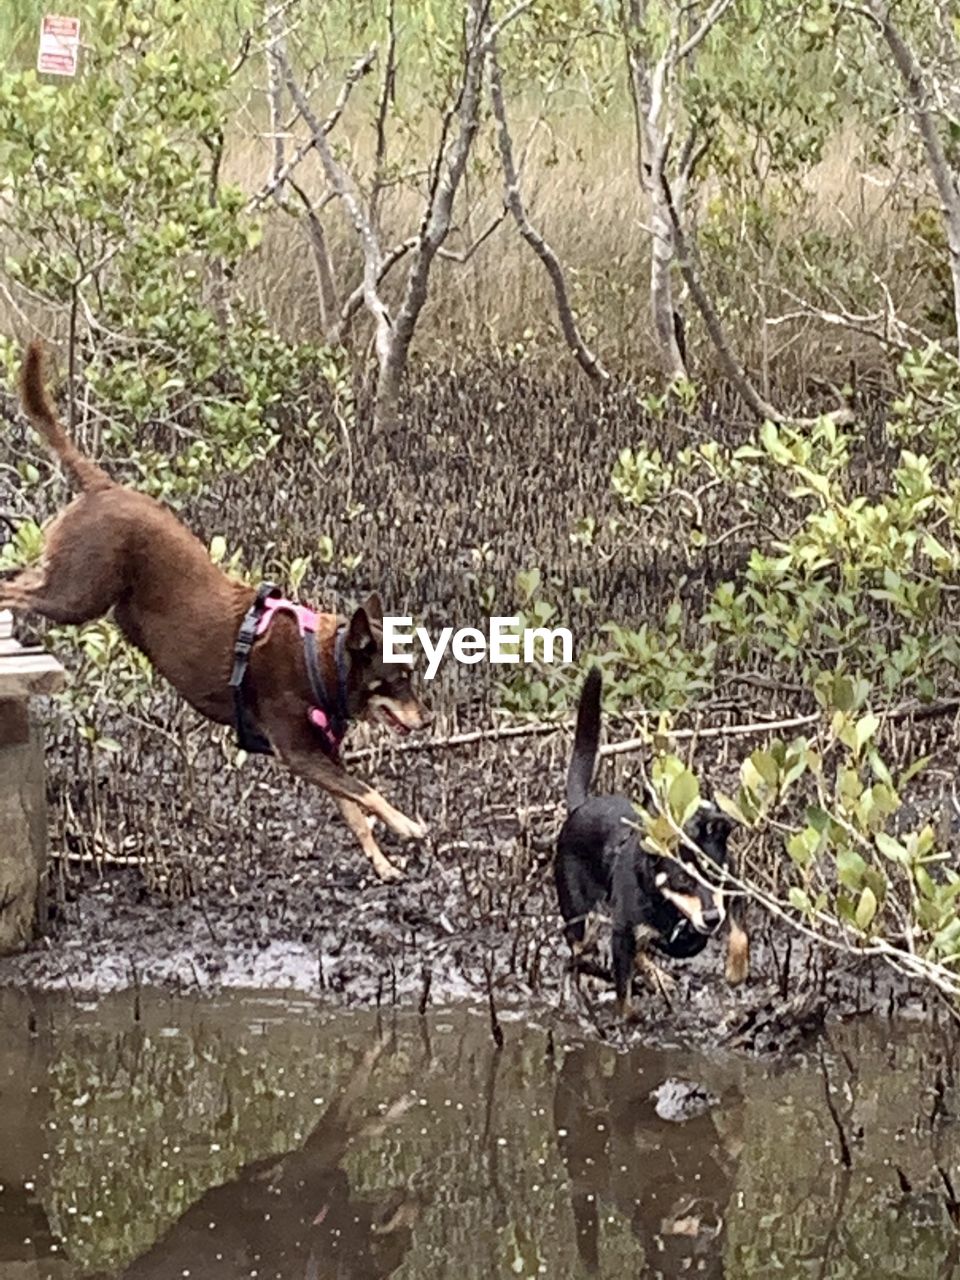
[{"x": 39, "y": 409}]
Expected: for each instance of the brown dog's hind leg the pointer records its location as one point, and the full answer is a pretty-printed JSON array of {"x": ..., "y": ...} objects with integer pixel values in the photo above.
[
  {"x": 80, "y": 576},
  {"x": 31, "y": 592},
  {"x": 359, "y": 824}
]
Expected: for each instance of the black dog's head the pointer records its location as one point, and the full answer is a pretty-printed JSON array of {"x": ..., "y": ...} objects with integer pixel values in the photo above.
[
  {"x": 381, "y": 691},
  {"x": 696, "y": 910}
]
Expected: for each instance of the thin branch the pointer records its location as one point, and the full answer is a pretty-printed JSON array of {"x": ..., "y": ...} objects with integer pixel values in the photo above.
[
  {"x": 322, "y": 265},
  {"x": 944, "y": 179},
  {"x": 513, "y": 200},
  {"x": 451, "y": 162},
  {"x": 714, "y": 731},
  {"x": 387, "y": 92},
  {"x": 863, "y": 325},
  {"x": 464, "y": 255},
  {"x": 354, "y": 300},
  {"x": 710, "y": 19},
  {"x": 275, "y": 100},
  {"x": 510, "y": 16},
  {"x": 689, "y": 269},
  {"x": 343, "y": 184},
  {"x": 317, "y": 130}
]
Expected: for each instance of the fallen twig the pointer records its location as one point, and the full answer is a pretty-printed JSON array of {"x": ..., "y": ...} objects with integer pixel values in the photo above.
[
  {"x": 555, "y": 726},
  {"x": 464, "y": 739}
]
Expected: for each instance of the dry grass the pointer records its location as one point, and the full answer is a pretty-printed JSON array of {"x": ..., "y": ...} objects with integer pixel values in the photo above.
[
  {"x": 839, "y": 248},
  {"x": 582, "y": 192}
]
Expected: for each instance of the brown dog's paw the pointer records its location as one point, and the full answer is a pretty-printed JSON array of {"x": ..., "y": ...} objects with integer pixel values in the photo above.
[
  {"x": 386, "y": 870},
  {"x": 408, "y": 828}
]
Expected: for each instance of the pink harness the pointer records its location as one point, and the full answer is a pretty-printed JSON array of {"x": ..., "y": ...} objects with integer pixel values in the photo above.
[{"x": 306, "y": 618}]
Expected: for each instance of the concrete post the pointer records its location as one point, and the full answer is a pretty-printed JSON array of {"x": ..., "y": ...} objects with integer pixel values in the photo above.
[{"x": 24, "y": 674}]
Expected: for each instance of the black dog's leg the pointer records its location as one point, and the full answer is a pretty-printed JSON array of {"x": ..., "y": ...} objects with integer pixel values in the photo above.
[
  {"x": 623, "y": 949},
  {"x": 578, "y": 892}
]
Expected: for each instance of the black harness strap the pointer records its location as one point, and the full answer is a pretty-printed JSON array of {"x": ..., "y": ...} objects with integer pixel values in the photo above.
[
  {"x": 249, "y": 738},
  {"x": 334, "y": 709}
]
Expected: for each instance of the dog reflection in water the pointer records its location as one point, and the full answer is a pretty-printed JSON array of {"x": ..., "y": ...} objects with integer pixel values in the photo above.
[
  {"x": 671, "y": 1182},
  {"x": 295, "y": 1217}
]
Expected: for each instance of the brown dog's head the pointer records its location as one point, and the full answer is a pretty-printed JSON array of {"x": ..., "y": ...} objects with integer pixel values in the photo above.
[{"x": 380, "y": 691}]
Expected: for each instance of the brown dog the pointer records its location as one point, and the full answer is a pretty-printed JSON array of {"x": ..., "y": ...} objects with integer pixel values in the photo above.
[{"x": 113, "y": 547}]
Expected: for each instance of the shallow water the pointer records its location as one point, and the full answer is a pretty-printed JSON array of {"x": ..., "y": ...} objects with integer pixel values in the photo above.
[{"x": 157, "y": 1138}]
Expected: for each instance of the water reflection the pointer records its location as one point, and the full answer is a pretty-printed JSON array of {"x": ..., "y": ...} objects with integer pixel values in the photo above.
[
  {"x": 296, "y": 1216},
  {"x": 671, "y": 1181},
  {"x": 248, "y": 1138}
]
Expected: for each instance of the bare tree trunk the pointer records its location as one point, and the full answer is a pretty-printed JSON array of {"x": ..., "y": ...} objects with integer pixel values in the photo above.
[
  {"x": 651, "y": 91},
  {"x": 436, "y": 222},
  {"x": 275, "y": 99},
  {"x": 647, "y": 92},
  {"x": 945, "y": 180},
  {"x": 327, "y": 293},
  {"x": 346, "y": 189},
  {"x": 395, "y": 335},
  {"x": 662, "y": 304},
  {"x": 688, "y": 267}
]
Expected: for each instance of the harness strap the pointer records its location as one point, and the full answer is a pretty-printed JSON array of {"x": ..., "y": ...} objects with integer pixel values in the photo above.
[{"x": 249, "y": 738}]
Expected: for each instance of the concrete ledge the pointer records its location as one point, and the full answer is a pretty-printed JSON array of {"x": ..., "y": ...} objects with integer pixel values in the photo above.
[{"x": 25, "y": 672}]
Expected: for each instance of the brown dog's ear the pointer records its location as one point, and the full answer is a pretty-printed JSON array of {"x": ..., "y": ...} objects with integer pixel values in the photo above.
[
  {"x": 359, "y": 634},
  {"x": 374, "y": 609}
]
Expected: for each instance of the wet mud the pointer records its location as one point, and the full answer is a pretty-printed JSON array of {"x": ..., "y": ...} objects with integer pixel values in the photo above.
[{"x": 295, "y": 907}]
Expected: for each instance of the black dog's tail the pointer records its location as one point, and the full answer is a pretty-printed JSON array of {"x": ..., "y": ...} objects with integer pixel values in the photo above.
[{"x": 586, "y": 741}]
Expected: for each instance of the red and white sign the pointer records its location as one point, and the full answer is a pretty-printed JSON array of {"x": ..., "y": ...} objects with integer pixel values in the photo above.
[{"x": 59, "y": 45}]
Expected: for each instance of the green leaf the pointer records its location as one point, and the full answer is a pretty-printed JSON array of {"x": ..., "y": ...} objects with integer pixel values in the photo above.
[
  {"x": 767, "y": 767},
  {"x": 818, "y": 818},
  {"x": 866, "y": 908},
  {"x": 850, "y": 868},
  {"x": 865, "y": 728},
  {"x": 730, "y": 807},
  {"x": 684, "y": 797},
  {"x": 528, "y": 580},
  {"x": 892, "y": 849},
  {"x": 799, "y": 900},
  {"x": 801, "y": 849}
]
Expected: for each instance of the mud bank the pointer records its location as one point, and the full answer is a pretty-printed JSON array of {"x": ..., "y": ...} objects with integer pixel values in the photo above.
[
  {"x": 176, "y": 868},
  {"x": 283, "y": 901}
]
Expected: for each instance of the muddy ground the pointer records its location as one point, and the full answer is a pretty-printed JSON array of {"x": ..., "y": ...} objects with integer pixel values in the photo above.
[
  {"x": 241, "y": 877},
  {"x": 292, "y": 905}
]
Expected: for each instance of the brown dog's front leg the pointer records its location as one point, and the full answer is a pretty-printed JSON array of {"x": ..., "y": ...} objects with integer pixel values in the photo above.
[
  {"x": 359, "y": 824},
  {"x": 320, "y": 770}
]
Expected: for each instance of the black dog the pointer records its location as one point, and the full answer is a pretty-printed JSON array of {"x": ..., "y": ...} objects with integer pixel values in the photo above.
[{"x": 599, "y": 859}]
